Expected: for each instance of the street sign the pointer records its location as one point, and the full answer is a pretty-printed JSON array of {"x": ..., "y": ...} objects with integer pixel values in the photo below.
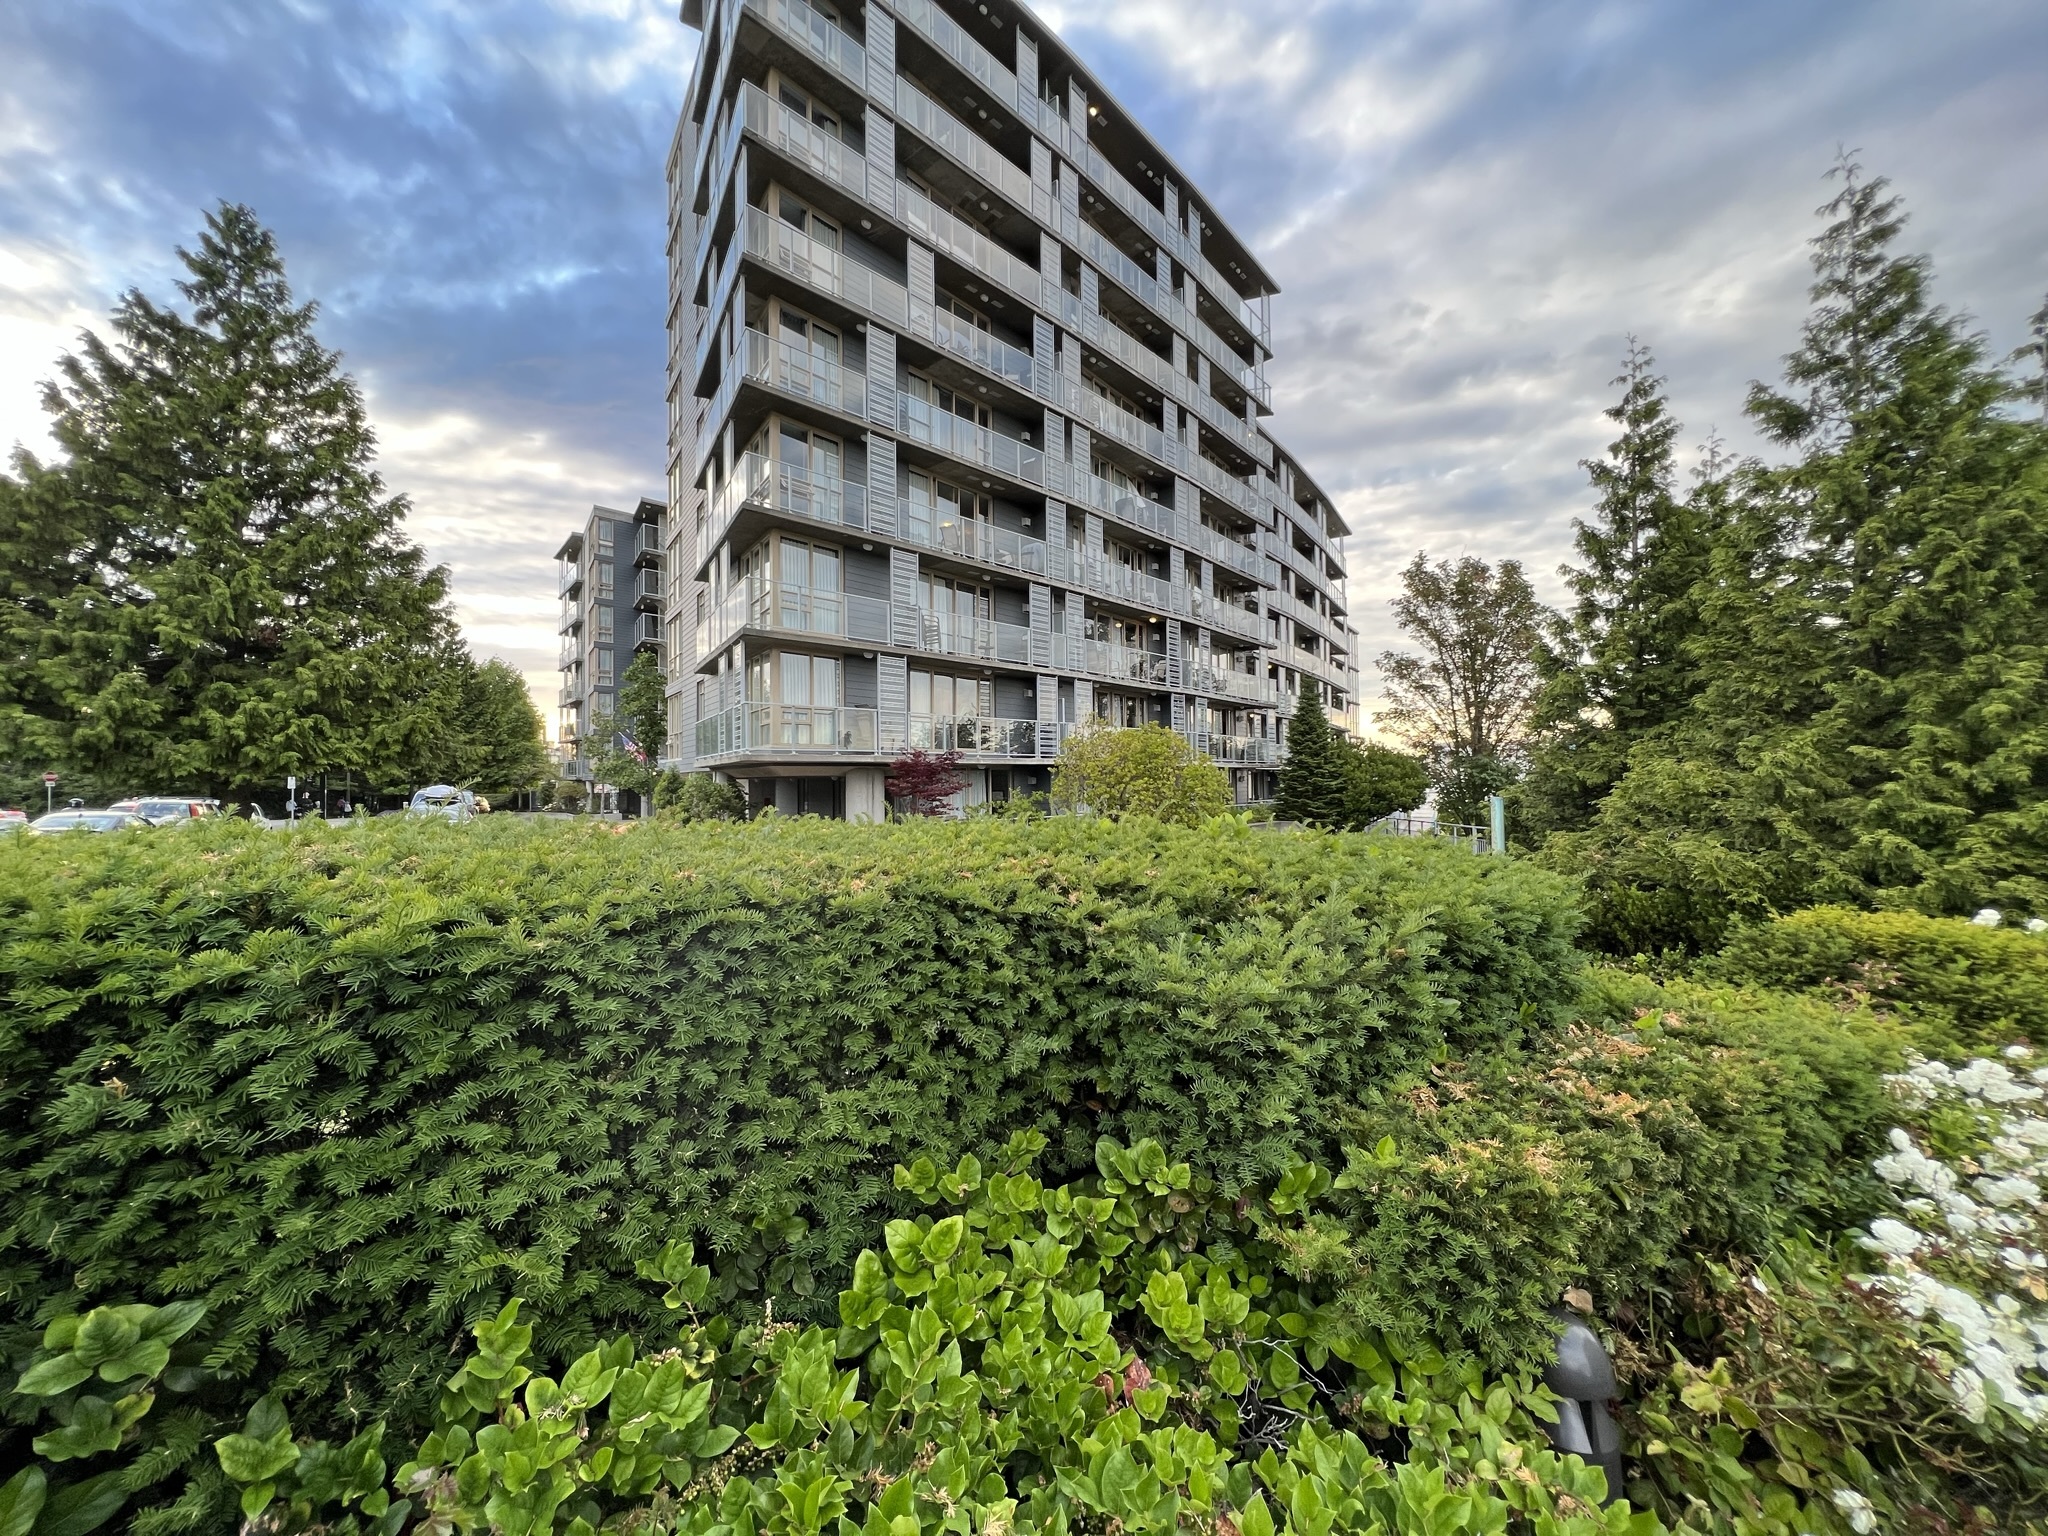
[
  {"x": 291, "y": 781},
  {"x": 49, "y": 778}
]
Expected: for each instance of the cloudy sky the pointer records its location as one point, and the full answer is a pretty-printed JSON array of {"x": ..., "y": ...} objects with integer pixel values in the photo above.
[{"x": 1468, "y": 204}]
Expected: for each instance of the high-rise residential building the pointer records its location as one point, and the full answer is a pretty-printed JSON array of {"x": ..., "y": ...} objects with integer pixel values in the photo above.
[
  {"x": 612, "y": 591},
  {"x": 967, "y": 392}
]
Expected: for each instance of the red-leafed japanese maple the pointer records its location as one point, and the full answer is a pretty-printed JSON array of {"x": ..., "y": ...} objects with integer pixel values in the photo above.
[{"x": 923, "y": 783}]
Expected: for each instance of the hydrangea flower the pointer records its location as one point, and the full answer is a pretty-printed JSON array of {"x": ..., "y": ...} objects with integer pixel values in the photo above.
[{"x": 1963, "y": 1240}]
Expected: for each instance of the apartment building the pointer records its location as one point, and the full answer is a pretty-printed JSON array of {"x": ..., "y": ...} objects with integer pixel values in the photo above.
[
  {"x": 967, "y": 404},
  {"x": 610, "y": 581}
]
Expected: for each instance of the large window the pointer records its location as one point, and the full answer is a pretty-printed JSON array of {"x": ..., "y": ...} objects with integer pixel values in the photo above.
[{"x": 941, "y": 695}]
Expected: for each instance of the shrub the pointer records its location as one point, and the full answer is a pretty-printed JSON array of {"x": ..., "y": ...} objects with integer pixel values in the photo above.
[
  {"x": 1670, "y": 1121},
  {"x": 1970, "y": 988},
  {"x": 1131, "y": 1353},
  {"x": 699, "y": 797},
  {"x": 924, "y": 783},
  {"x": 357, "y": 1088},
  {"x": 1146, "y": 771}
]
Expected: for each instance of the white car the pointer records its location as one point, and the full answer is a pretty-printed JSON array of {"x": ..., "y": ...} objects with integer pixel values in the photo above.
[
  {"x": 443, "y": 801},
  {"x": 161, "y": 810}
]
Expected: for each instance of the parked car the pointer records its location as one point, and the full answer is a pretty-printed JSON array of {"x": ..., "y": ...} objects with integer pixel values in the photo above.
[
  {"x": 160, "y": 810},
  {"x": 87, "y": 821},
  {"x": 444, "y": 801},
  {"x": 13, "y": 821}
]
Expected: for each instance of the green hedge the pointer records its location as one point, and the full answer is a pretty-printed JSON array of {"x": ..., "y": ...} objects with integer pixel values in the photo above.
[
  {"x": 1969, "y": 989},
  {"x": 357, "y": 1087},
  {"x": 1672, "y": 1122}
]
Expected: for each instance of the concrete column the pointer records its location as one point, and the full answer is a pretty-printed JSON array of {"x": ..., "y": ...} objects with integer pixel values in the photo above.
[{"x": 866, "y": 797}]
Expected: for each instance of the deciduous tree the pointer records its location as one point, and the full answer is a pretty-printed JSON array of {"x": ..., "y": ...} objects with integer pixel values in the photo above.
[
  {"x": 1145, "y": 771},
  {"x": 1469, "y": 692}
]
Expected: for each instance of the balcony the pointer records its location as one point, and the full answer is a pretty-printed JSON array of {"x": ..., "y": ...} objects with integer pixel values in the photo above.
[
  {"x": 816, "y": 36},
  {"x": 647, "y": 593},
  {"x": 803, "y": 141},
  {"x": 572, "y": 616},
  {"x": 760, "y": 482},
  {"x": 807, "y": 730},
  {"x": 645, "y": 632},
  {"x": 569, "y": 580},
  {"x": 647, "y": 546},
  {"x": 795, "y": 370}
]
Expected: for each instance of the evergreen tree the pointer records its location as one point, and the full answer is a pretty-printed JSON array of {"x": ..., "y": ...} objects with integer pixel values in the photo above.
[
  {"x": 1618, "y": 664},
  {"x": 2033, "y": 356},
  {"x": 1873, "y": 725},
  {"x": 1315, "y": 783},
  {"x": 211, "y": 588},
  {"x": 502, "y": 736},
  {"x": 1379, "y": 781}
]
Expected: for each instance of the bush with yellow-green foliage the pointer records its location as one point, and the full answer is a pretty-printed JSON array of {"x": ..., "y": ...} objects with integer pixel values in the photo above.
[{"x": 1142, "y": 771}]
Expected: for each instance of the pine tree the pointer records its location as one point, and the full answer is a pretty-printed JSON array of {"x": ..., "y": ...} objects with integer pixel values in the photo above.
[
  {"x": 1315, "y": 782},
  {"x": 1618, "y": 664},
  {"x": 211, "y": 588}
]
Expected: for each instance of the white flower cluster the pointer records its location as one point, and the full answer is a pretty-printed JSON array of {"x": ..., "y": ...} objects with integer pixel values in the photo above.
[{"x": 1969, "y": 1236}]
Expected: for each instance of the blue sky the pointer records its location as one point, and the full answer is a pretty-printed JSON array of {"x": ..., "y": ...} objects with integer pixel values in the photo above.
[{"x": 1467, "y": 203}]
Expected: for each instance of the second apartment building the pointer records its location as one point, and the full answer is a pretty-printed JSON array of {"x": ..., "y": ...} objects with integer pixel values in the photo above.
[{"x": 967, "y": 393}]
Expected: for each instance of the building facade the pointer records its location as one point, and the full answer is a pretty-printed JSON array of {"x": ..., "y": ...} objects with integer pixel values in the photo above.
[
  {"x": 611, "y": 585},
  {"x": 966, "y": 419}
]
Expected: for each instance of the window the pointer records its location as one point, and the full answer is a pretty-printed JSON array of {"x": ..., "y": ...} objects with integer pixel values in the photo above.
[
  {"x": 822, "y": 231},
  {"x": 604, "y": 624},
  {"x": 806, "y": 108},
  {"x": 946, "y": 507},
  {"x": 606, "y": 578},
  {"x": 808, "y": 681},
  {"x": 604, "y": 533},
  {"x": 805, "y": 337},
  {"x": 813, "y": 567},
  {"x": 963, "y": 599},
  {"x": 946, "y": 401},
  {"x": 604, "y": 668},
  {"x": 941, "y": 695}
]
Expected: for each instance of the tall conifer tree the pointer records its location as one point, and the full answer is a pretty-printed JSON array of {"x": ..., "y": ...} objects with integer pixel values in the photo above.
[
  {"x": 212, "y": 589},
  {"x": 1873, "y": 725},
  {"x": 1315, "y": 782},
  {"x": 1617, "y": 666}
]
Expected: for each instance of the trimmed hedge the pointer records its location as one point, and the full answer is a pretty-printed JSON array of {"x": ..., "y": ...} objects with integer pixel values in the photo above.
[
  {"x": 1970, "y": 989},
  {"x": 1672, "y": 1122},
  {"x": 356, "y": 1087}
]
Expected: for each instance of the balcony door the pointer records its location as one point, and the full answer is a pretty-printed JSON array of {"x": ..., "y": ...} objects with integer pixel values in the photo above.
[
  {"x": 810, "y": 465},
  {"x": 808, "y": 592},
  {"x": 807, "y": 356}
]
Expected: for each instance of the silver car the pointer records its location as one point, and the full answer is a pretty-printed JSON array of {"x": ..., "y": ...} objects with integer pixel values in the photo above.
[
  {"x": 444, "y": 802},
  {"x": 87, "y": 821}
]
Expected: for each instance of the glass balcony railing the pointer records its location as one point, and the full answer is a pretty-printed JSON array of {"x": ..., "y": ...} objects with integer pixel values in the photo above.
[
  {"x": 803, "y": 140},
  {"x": 818, "y": 37},
  {"x": 966, "y": 244},
  {"x": 759, "y": 481},
  {"x": 797, "y": 370},
  {"x": 961, "y": 439},
  {"x": 989, "y": 165},
  {"x": 773, "y": 728},
  {"x": 825, "y": 269},
  {"x": 945, "y": 34}
]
